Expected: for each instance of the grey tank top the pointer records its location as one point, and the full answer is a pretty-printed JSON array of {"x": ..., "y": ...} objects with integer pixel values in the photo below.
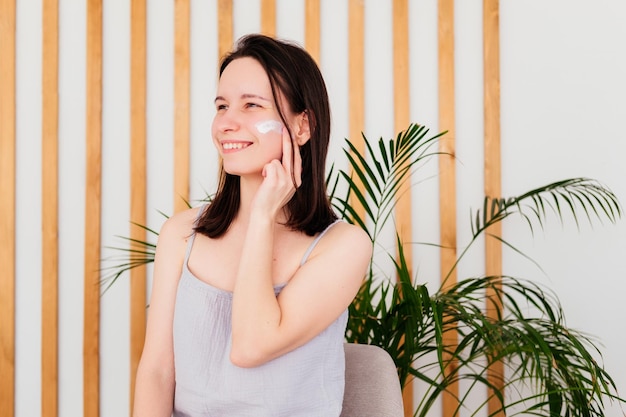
[{"x": 306, "y": 382}]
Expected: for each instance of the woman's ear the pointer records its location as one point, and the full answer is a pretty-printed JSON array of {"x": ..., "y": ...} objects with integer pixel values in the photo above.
[{"x": 303, "y": 128}]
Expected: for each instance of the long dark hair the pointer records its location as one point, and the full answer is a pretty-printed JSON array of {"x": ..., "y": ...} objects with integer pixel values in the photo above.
[{"x": 294, "y": 74}]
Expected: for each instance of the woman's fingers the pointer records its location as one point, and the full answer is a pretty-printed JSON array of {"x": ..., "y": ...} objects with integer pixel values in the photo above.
[
  {"x": 276, "y": 190},
  {"x": 297, "y": 166},
  {"x": 292, "y": 161},
  {"x": 287, "y": 162},
  {"x": 281, "y": 178}
]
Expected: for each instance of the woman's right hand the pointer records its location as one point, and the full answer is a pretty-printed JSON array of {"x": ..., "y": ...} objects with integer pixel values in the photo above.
[{"x": 280, "y": 180}]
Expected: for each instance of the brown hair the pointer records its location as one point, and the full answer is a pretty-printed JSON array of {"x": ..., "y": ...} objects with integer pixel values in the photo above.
[{"x": 294, "y": 74}]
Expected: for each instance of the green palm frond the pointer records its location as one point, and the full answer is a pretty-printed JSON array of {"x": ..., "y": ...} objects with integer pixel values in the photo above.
[
  {"x": 530, "y": 336},
  {"x": 136, "y": 254},
  {"x": 561, "y": 197},
  {"x": 375, "y": 177}
]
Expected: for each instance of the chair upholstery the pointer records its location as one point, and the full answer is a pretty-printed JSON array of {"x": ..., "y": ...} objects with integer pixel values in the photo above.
[{"x": 372, "y": 385}]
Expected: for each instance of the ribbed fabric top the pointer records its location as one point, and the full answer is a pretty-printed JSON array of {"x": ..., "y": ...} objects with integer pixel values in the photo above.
[{"x": 306, "y": 382}]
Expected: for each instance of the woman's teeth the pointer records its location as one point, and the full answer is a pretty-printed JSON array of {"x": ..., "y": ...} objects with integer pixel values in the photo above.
[{"x": 235, "y": 145}]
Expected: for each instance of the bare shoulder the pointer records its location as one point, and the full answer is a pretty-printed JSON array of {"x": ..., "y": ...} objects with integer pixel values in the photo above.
[
  {"x": 345, "y": 231},
  {"x": 344, "y": 239},
  {"x": 176, "y": 231},
  {"x": 180, "y": 225}
]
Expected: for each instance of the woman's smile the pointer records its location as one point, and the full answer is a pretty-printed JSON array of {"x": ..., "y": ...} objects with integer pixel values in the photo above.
[{"x": 234, "y": 146}]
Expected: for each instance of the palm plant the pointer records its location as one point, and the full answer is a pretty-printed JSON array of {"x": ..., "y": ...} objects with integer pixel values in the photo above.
[
  {"x": 399, "y": 314},
  {"x": 528, "y": 333}
]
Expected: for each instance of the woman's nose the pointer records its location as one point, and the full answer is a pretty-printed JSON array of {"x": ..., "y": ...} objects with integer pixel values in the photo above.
[{"x": 226, "y": 120}]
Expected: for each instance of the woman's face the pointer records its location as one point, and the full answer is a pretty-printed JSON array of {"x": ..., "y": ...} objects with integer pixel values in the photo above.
[{"x": 247, "y": 126}]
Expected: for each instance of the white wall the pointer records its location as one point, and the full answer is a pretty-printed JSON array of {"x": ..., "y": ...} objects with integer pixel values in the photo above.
[{"x": 563, "y": 107}]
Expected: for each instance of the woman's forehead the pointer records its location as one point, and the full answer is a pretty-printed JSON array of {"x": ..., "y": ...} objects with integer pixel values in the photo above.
[
  {"x": 245, "y": 76},
  {"x": 244, "y": 70}
]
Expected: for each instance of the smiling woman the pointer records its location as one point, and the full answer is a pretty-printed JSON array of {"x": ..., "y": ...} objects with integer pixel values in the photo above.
[
  {"x": 244, "y": 101},
  {"x": 234, "y": 325}
]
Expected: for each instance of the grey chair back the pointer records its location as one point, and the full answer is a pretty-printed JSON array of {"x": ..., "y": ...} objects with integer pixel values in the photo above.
[{"x": 372, "y": 385}]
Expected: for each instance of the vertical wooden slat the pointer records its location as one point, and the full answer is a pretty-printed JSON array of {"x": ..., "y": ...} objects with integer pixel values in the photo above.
[
  {"x": 268, "y": 17},
  {"x": 312, "y": 28},
  {"x": 401, "y": 122},
  {"x": 402, "y": 109},
  {"x": 447, "y": 183},
  {"x": 138, "y": 186},
  {"x": 447, "y": 143},
  {"x": 401, "y": 65},
  {"x": 7, "y": 207},
  {"x": 49, "y": 212},
  {"x": 356, "y": 81},
  {"x": 493, "y": 247},
  {"x": 224, "y": 26},
  {"x": 91, "y": 361},
  {"x": 181, "y": 104}
]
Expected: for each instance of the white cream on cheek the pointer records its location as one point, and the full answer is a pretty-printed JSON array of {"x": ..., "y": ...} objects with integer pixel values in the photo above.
[{"x": 269, "y": 125}]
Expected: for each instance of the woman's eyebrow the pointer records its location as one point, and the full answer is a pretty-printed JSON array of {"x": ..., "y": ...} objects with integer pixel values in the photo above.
[
  {"x": 244, "y": 96},
  {"x": 254, "y": 96}
]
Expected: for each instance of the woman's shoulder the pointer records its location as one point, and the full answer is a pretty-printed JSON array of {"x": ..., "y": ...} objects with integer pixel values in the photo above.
[
  {"x": 342, "y": 254},
  {"x": 348, "y": 237},
  {"x": 181, "y": 224},
  {"x": 344, "y": 228}
]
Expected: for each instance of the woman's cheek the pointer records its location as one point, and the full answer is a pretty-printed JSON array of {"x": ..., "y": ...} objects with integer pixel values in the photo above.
[
  {"x": 270, "y": 131},
  {"x": 276, "y": 149},
  {"x": 266, "y": 126},
  {"x": 214, "y": 136}
]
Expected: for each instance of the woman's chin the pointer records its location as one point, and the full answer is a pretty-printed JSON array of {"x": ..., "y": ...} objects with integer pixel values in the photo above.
[{"x": 242, "y": 172}]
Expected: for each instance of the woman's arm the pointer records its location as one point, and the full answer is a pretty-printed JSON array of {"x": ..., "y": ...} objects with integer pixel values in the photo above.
[
  {"x": 154, "y": 388},
  {"x": 264, "y": 326}
]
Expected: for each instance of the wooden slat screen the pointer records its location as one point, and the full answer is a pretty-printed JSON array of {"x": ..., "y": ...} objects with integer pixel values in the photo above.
[
  {"x": 401, "y": 104},
  {"x": 138, "y": 181},
  {"x": 356, "y": 79},
  {"x": 7, "y": 207},
  {"x": 224, "y": 27},
  {"x": 312, "y": 28},
  {"x": 181, "y": 104},
  {"x": 93, "y": 174},
  {"x": 49, "y": 212},
  {"x": 268, "y": 17},
  {"x": 447, "y": 180},
  {"x": 493, "y": 171}
]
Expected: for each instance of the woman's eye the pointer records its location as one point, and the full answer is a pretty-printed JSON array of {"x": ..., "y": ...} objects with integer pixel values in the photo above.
[
  {"x": 221, "y": 107},
  {"x": 252, "y": 105}
]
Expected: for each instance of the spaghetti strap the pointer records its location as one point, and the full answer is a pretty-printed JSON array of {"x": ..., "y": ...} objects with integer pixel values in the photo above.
[
  {"x": 304, "y": 257},
  {"x": 315, "y": 242},
  {"x": 192, "y": 237}
]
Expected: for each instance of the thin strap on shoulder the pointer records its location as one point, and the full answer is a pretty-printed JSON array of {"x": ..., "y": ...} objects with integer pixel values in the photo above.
[
  {"x": 193, "y": 233},
  {"x": 315, "y": 242}
]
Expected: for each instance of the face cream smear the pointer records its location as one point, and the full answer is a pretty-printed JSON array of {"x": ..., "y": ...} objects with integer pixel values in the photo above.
[{"x": 268, "y": 125}]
